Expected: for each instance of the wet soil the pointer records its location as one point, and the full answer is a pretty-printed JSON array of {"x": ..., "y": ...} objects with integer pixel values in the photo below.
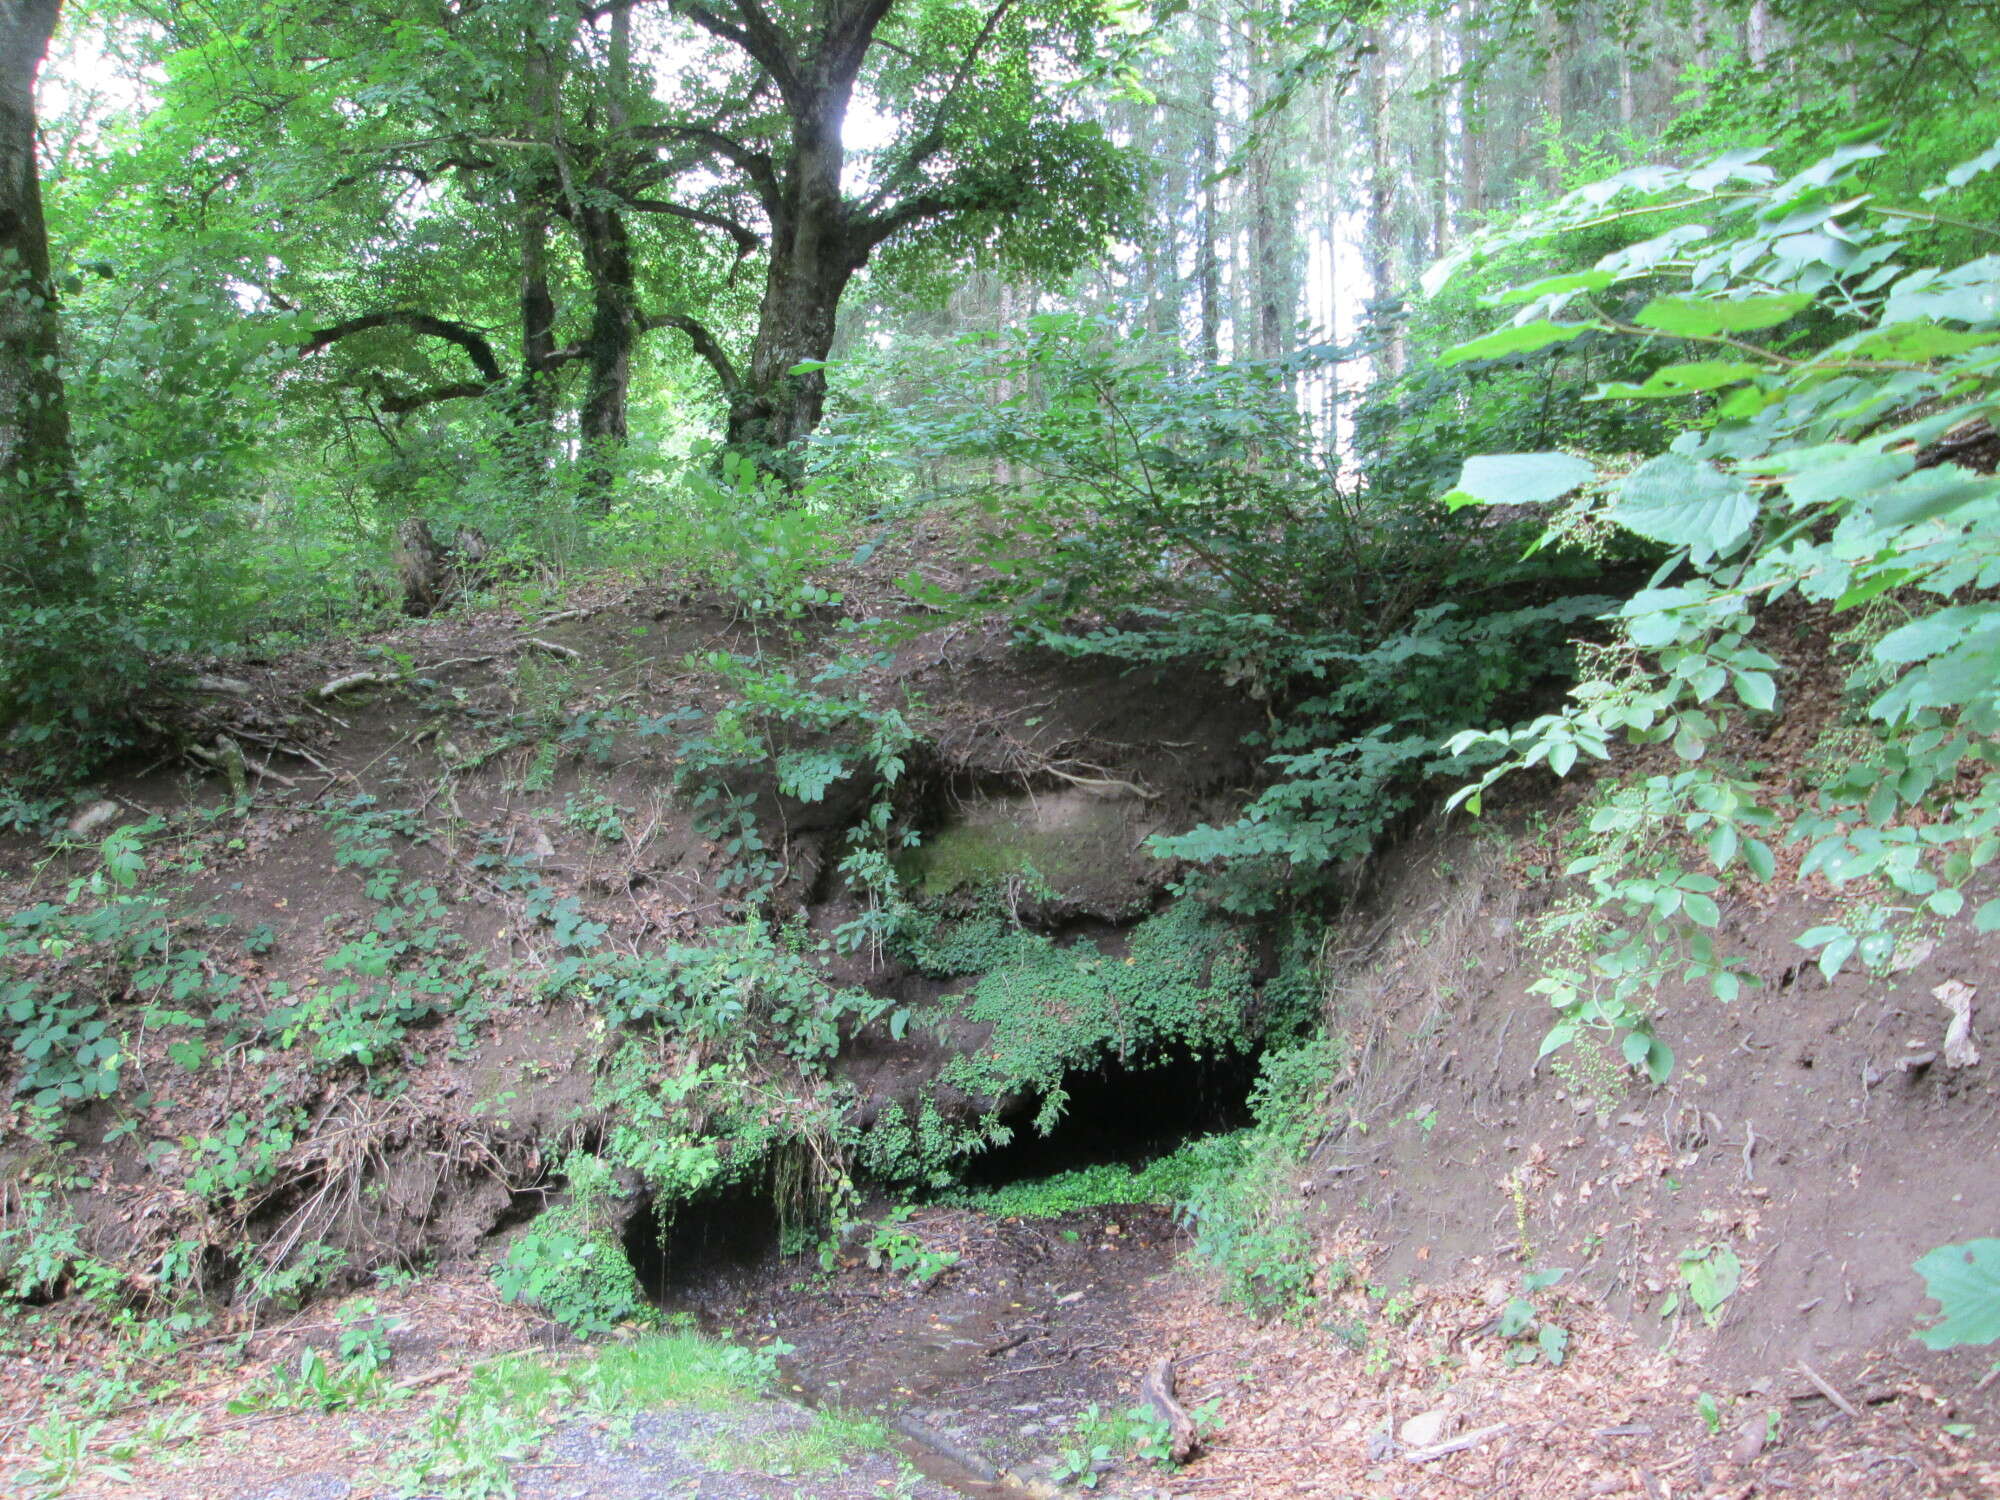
[{"x": 987, "y": 1365}]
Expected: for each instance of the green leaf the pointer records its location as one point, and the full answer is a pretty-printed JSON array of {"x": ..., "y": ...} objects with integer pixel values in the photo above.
[
  {"x": 1756, "y": 689},
  {"x": 1682, "y": 380},
  {"x": 1964, "y": 1281},
  {"x": 1554, "y": 1343},
  {"x": 1705, "y": 317},
  {"x": 1930, "y": 493},
  {"x": 1879, "y": 583},
  {"x": 1685, "y": 502},
  {"x": 1515, "y": 1317},
  {"x": 1918, "y": 342},
  {"x": 1701, "y": 910},
  {"x": 1712, "y": 1277},
  {"x": 1969, "y": 293},
  {"x": 1518, "y": 479},
  {"x": 1987, "y": 918},
  {"x": 806, "y": 774},
  {"x": 1518, "y": 338},
  {"x": 1659, "y": 1061},
  {"x": 1922, "y": 639},
  {"x": 1964, "y": 172},
  {"x": 1758, "y": 856},
  {"x": 1555, "y": 286},
  {"x": 1838, "y": 471}
]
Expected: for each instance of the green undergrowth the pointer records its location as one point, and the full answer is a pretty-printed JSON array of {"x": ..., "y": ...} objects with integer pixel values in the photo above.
[
  {"x": 1167, "y": 1180},
  {"x": 1245, "y": 1210},
  {"x": 469, "y": 1442},
  {"x": 1183, "y": 985},
  {"x": 570, "y": 1263}
]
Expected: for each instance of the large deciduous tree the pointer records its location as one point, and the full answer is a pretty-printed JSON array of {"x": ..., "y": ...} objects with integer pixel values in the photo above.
[
  {"x": 41, "y": 538},
  {"x": 655, "y": 156},
  {"x": 981, "y": 150}
]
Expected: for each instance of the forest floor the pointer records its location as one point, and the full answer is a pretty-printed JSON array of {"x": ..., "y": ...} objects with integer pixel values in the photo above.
[{"x": 1812, "y": 1140}]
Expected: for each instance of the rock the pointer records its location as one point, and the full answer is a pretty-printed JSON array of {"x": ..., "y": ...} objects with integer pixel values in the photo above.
[
  {"x": 1425, "y": 1428},
  {"x": 95, "y": 816},
  {"x": 1750, "y": 1438}
]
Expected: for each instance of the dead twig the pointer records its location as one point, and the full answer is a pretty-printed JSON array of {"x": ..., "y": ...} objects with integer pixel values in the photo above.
[
  {"x": 1827, "y": 1390},
  {"x": 1457, "y": 1445}
]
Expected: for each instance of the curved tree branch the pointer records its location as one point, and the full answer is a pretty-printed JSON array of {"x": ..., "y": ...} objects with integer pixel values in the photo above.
[
  {"x": 471, "y": 340},
  {"x": 755, "y": 165},
  {"x": 757, "y": 37},
  {"x": 396, "y": 405},
  {"x": 748, "y": 241},
  {"x": 866, "y": 234},
  {"x": 705, "y": 345},
  {"x": 933, "y": 139}
]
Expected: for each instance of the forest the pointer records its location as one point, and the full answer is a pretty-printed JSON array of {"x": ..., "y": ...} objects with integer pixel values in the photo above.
[{"x": 994, "y": 747}]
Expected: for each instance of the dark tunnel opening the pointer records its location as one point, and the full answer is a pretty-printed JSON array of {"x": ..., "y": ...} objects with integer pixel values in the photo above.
[
  {"x": 707, "y": 1244},
  {"x": 707, "y": 1249},
  {"x": 1124, "y": 1115}
]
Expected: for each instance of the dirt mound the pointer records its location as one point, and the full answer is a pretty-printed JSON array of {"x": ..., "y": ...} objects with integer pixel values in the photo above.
[
  {"x": 1810, "y": 1145},
  {"x": 469, "y": 799}
]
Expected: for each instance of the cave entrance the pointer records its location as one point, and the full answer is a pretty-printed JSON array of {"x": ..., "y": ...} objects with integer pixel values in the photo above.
[
  {"x": 1127, "y": 1116},
  {"x": 712, "y": 1250},
  {"x": 705, "y": 1247}
]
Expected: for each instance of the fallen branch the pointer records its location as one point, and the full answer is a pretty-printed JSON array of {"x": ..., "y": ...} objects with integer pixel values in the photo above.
[
  {"x": 354, "y": 680},
  {"x": 456, "y": 661},
  {"x": 1828, "y": 1391},
  {"x": 554, "y": 648},
  {"x": 1457, "y": 1445},
  {"x": 1158, "y": 1389}
]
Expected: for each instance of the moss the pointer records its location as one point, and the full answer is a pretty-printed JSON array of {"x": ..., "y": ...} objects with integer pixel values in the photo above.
[{"x": 1056, "y": 844}]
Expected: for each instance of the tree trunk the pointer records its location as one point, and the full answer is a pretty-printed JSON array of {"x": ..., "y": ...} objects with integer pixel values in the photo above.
[
  {"x": 1207, "y": 262},
  {"x": 614, "y": 330},
  {"x": 534, "y": 402},
  {"x": 1266, "y": 336},
  {"x": 1380, "y": 197},
  {"x": 1757, "y": 32},
  {"x": 41, "y": 509},
  {"x": 615, "y": 324},
  {"x": 1440, "y": 143},
  {"x": 1472, "y": 120},
  {"x": 812, "y": 260},
  {"x": 776, "y": 408},
  {"x": 1555, "y": 84}
]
